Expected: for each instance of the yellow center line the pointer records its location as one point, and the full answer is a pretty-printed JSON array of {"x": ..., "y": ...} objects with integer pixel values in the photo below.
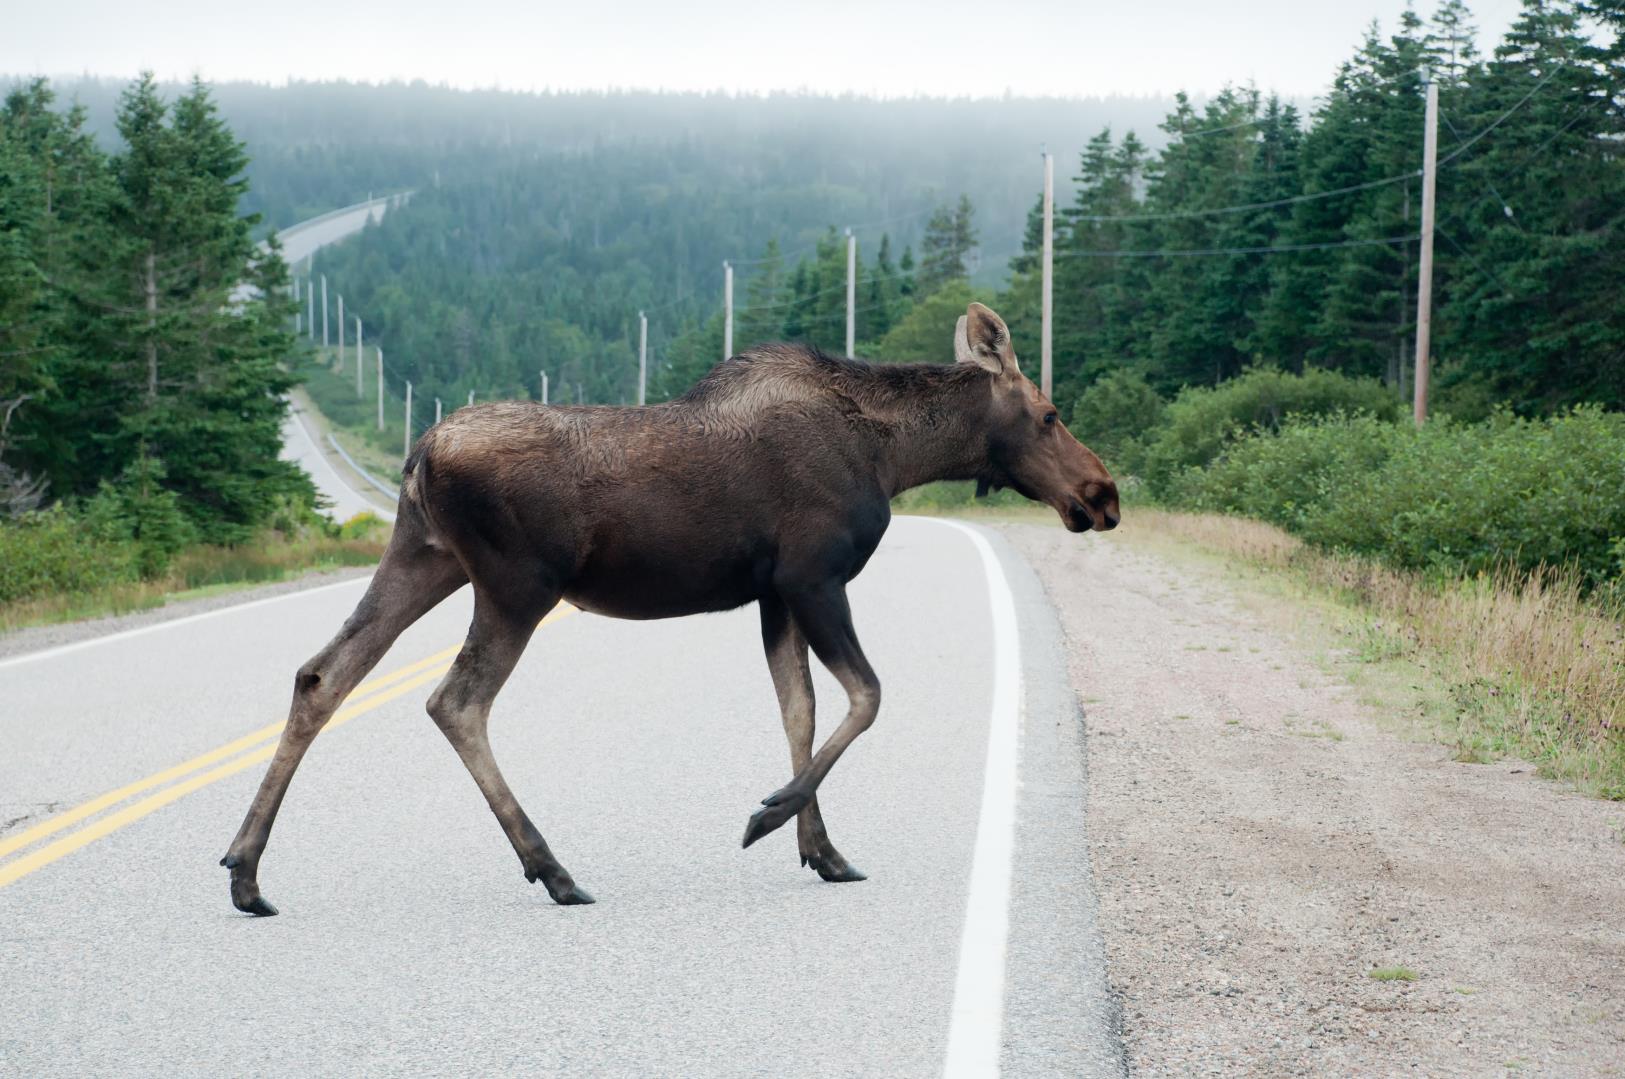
[{"x": 365, "y": 698}]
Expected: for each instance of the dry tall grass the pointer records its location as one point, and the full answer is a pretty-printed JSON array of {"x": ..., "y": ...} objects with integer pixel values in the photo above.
[{"x": 1536, "y": 668}]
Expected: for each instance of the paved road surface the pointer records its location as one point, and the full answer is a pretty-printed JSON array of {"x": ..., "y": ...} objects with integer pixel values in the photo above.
[
  {"x": 345, "y": 500},
  {"x": 301, "y": 241},
  {"x": 409, "y": 942}
]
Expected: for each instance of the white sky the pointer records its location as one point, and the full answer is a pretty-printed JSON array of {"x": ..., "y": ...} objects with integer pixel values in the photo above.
[{"x": 900, "y": 48}]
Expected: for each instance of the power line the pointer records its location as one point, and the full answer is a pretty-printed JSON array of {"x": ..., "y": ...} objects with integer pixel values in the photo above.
[{"x": 1270, "y": 250}]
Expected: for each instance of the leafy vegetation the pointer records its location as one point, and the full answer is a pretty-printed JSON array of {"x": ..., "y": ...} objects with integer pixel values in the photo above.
[{"x": 1507, "y": 493}]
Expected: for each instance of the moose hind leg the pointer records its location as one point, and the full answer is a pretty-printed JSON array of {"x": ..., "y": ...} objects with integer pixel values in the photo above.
[
  {"x": 786, "y": 649},
  {"x": 461, "y": 708},
  {"x": 822, "y": 614},
  {"x": 411, "y": 579}
]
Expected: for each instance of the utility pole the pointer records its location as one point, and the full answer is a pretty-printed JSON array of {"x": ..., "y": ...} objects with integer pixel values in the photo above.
[
  {"x": 340, "y": 368},
  {"x": 851, "y": 292},
  {"x": 544, "y": 387},
  {"x": 324, "y": 310},
  {"x": 437, "y": 410},
  {"x": 298, "y": 313},
  {"x": 643, "y": 354},
  {"x": 359, "y": 366},
  {"x": 727, "y": 310},
  {"x": 1424, "y": 282},
  {"x": 407, "y": 451},
  {"x": 1046, "y": 368},
  {"x": 380, "y": 389},
  {"x": 310, "y": 309},
  {"x": 471, "y": 397}
]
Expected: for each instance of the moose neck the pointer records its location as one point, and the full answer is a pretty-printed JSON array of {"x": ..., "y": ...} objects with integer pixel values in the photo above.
[{"x": 937, "y": 419}]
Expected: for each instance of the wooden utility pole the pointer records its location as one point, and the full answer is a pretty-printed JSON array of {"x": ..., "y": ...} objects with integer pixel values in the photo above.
[
  {"x": 727, "y": 310},
  {"x": 359, "y": 366},
  {"x": 340, "y": 368},
  {"x": 851, "y": 292},
  {"x": 324, "y": 310},
  {"x": 1047, "y": 363},
  {"x": 643, "y": 355},
  {"x": 407, "y": 451},
  {"x": 1424, "y": 282},
  {"x": 380, "y": 389}
]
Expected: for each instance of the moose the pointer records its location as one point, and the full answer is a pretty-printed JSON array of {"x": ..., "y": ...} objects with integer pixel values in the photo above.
[{"x": 770, "y": 481}]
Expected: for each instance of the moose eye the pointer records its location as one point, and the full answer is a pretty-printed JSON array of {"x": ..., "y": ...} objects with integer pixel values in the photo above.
[{"x": 1049, "y": 418}]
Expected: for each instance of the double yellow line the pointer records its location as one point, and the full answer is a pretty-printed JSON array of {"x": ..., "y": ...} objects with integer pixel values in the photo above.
[{"x": 173, "y": 784}]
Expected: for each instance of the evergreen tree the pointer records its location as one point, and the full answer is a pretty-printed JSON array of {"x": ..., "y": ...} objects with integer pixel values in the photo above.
[
  {"x": 950, "y": 236},
  {"x": 151, "y": 324},
  {"x": 1535, "y": 317},
  {"x": 763, "y": 316}
]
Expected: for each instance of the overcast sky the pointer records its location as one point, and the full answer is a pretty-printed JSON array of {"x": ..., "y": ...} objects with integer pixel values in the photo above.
[{"x": 935, "y": 47}]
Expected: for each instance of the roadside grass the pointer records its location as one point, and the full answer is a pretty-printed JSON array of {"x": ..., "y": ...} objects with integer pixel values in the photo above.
[
  {"x": 354, "y": 420},
  {"x": 203, "y": 571},
  {"x": 1497, "y": 665},
  {"x": 1393, "y": 974}
]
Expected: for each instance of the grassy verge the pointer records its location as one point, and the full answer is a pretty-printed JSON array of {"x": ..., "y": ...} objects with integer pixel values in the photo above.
[
  {"x": 201, "y": 571},
  {"x": 354, "y": 420},
  {"x": 1523, "y": 664}
]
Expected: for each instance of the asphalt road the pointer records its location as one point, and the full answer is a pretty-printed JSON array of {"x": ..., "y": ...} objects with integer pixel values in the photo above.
[
  {"x": 344, "y": 499},
  {"x": 409, "y": 942}
]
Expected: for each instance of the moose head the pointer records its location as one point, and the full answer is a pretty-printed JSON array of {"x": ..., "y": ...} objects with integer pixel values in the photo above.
[{"x": 1029, "y": 449}]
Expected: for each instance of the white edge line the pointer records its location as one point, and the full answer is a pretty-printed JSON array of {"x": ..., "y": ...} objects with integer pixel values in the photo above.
[
  {"x": 125, "y": 634},
  {"x": 976, "y": 1029}
]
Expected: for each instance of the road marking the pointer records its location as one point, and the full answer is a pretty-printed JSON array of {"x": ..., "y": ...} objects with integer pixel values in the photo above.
[
  {"x": 976, "y": 1029},
  {"x": 365, "y": 698},
  {"x": 125, "y": 634},
  {"x": 96, "y": 805}
]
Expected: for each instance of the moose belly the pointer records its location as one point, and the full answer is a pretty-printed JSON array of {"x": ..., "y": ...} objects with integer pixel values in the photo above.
[{"x": 657, "y": 575}]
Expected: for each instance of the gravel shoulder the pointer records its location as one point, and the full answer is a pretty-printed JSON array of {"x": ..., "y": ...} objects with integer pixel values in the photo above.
[{"x": 1261, "y": 841}]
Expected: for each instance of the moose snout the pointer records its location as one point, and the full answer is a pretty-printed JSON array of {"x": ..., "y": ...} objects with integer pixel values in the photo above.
[{"x": 1094, "y": 509}]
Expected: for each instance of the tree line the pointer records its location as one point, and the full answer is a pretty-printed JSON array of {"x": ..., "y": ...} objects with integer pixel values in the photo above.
[
  {"x": 1307, "y": 228},
  {"x": 1260, "y": 237}
]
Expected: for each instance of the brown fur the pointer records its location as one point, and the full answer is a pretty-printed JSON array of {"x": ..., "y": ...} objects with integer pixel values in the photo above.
[{"x": 770, "y": 482}]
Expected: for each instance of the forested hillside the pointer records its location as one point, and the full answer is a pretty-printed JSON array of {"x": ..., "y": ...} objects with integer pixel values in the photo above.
[{"x": 1231, "y": 234}]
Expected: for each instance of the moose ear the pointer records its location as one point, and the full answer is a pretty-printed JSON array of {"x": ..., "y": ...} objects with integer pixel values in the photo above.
[
  {"x": 962, "y": 352},
  {"x": 982, "y": 338}
]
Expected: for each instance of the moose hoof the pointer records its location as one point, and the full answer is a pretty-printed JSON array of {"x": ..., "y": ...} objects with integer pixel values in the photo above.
[
  {"x": 835, "y": 870},
  {"x": 777, "y": 808},
  {"x": 245, "y": 891},
  {"x": 565, "y": 892},
  {"x": 572, "y": 896}
]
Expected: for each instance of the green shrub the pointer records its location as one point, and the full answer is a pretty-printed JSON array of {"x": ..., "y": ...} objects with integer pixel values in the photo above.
[
  {"x": 52, "y": 551},
  {"x": 1448, "y": 497},
  {"x": 140, "y": 510},
  {"x": 1114, "y": 415},
  {"x": 1203, "y": 420},
  {"x": 1292, "y": 476}
]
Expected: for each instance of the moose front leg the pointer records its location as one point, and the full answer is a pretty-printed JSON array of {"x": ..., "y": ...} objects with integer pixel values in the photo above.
[
  {"x": 825, "y": 619},
  {"x": 786, "y": 649}
]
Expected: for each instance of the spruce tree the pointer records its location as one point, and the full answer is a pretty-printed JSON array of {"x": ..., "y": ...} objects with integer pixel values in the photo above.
[{"x": 950, "y": 236}]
